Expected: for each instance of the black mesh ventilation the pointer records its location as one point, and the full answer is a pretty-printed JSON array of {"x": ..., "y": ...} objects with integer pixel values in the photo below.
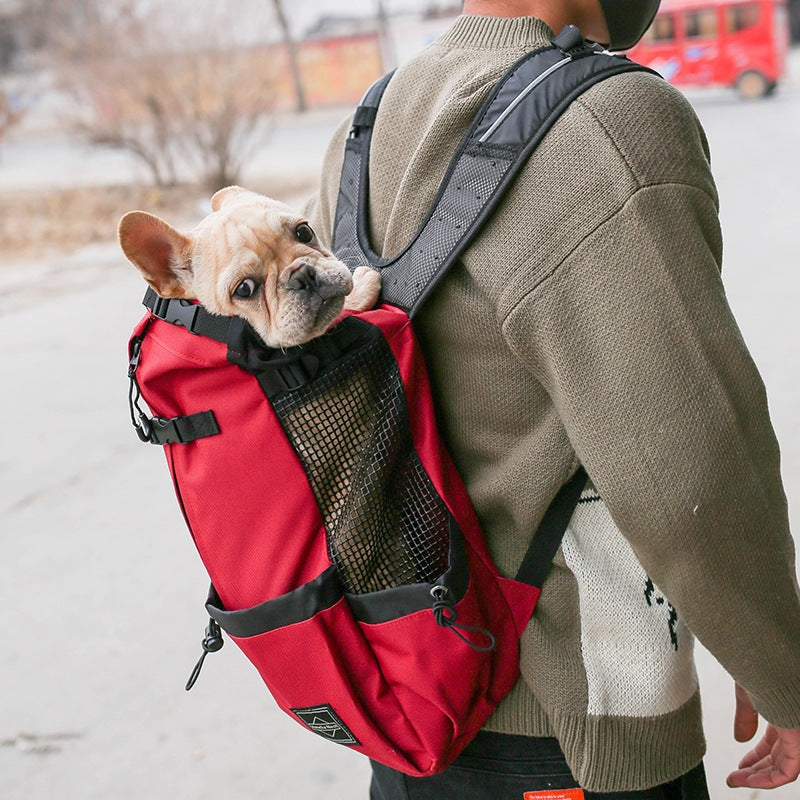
[{"x": 386, "y": 524}]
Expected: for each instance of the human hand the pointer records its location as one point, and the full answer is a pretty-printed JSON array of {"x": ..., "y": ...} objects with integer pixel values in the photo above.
[{"x": 774, "y": 761}]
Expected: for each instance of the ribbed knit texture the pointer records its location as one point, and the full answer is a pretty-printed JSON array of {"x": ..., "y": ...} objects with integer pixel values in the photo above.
[{"x": 589, "y": 323}]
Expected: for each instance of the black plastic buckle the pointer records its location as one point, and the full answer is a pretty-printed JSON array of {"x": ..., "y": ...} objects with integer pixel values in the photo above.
[
  {"x": 143, "y": 428},
  {"x": 164, "y": 431},
  {"x": 176, "y": 312}
]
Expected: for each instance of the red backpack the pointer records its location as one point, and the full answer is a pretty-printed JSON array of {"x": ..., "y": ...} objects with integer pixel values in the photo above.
[{"x": 345, "y": 557}]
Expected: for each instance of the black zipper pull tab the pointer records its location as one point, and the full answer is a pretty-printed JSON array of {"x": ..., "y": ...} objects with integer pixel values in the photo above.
[{"x": 212, "y": 642}]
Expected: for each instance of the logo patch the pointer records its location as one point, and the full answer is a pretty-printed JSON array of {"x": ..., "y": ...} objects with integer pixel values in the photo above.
[
  {"x": 324, "y": 721},
  {"x": 555, "y": 794}
]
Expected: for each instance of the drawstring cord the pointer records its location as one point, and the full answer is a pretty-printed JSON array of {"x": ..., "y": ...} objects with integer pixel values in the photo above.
[
  {"x": 212, "y": 642},
  {"x": 445, "y": 614}
]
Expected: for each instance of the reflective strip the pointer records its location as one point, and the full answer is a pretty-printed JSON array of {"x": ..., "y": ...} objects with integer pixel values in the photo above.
[
  {"x": 525, "y": 92},
  {"x": 521, "y": 96}
]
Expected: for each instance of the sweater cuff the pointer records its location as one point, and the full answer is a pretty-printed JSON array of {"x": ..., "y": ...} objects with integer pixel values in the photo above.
[{"x": 780, "y": 706}]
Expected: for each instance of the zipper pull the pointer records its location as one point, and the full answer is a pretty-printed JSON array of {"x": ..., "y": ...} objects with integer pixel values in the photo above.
[
  {"x": 444, "y": 612},
  {"x": 212, "y": 642}
]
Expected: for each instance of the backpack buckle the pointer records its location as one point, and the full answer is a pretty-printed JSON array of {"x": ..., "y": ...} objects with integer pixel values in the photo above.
[
  {"x": 181, "y": 430},
  {"x": 176, "y": 312}
]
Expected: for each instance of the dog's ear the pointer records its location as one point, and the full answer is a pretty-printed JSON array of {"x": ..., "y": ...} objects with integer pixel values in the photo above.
[
  {"x": 161, "y": 253},
  {"x": 225, "y": 195}
]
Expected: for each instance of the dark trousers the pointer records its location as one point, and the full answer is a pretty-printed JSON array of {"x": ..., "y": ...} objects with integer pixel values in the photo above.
[{"x": 497, "y": 766}]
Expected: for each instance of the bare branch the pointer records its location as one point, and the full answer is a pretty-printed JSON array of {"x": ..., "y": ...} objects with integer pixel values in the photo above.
[{"x": 192, "y": 103}]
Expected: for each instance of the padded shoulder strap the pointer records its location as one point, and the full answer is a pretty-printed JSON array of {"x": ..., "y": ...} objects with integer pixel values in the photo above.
[{"x": 520, "y": 110}]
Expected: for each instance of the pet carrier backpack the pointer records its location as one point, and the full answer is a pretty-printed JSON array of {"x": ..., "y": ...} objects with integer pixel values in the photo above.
[{"x": 345, "y": 558}]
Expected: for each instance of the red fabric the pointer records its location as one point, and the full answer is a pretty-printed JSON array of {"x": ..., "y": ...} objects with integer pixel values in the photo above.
[{"x": 243, "y": 492}]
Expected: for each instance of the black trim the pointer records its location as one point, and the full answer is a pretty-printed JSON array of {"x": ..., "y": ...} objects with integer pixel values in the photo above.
[
  {"x": 390, "y": 604},
  {"x": 280, "y": 370},
  {"x": 326, "y": 590},
  {"x": 301, "y": 604}
]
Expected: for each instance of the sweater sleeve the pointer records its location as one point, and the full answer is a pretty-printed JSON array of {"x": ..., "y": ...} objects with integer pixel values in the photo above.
[{"x": 634, "y": 341}]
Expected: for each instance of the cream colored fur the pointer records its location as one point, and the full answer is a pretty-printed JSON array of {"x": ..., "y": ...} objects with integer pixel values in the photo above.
[{"x": 299, "y": 288}]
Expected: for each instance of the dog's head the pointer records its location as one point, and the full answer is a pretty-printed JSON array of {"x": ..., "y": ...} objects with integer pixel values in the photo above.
[{"x": 252, "y": 257}]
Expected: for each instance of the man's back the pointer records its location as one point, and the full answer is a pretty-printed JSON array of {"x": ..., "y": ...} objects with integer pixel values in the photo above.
[{"x": 588, "y": 324}]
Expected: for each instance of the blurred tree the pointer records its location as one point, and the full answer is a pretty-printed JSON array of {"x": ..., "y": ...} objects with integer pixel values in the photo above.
[
  {"x": 169, "y": 82},
  {"x": 8, "y": 41},
  {"x": 291, "y": 51},
  {"x": 388, "y": 54}
]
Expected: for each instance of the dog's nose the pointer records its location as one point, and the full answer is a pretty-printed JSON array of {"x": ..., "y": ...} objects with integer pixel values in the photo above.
[{"x": 303, "y": 279}]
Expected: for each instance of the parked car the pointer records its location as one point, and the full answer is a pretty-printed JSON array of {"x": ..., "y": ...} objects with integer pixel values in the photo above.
[{"x": 739, "y": 43}]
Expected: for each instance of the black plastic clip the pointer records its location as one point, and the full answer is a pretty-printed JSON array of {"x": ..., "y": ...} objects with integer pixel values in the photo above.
[
  {"x": 176, "y": 430},
  {"x": 212, "y": 642},
  {"x": 176, "y": 312},
  {"x": 143, "y": 429},
  {"x": 165, "y": 431},
  {"x": 135, "y": 354},
  {"x": 140, "y": 420},
  {"x": 292, "y": 375},
  {"x": 364, "y": 117}
]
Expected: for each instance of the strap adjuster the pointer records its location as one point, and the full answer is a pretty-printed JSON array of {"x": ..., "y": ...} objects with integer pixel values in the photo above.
[
  {"x": 164, "y": 431},
  {"x": 568, "y": 39},
  {"x": 189, "y": 315},
  {"x": 364, "y": 117},
  {"x": 290, "y": 375},
  {"x": 177, "y": 312},
  {"x": 176, "y": 430}
]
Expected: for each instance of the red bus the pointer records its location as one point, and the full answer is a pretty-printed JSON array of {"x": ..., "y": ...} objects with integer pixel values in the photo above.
[{"x": 740, "y": 43}]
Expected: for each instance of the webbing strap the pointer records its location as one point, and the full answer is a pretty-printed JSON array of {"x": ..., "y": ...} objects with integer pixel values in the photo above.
[
  {"x": 188, "y": 315},
  {"x": 519, "y": 111},
  {"x": 542, "y": 549},
  {"x": 173, "y": 430}
]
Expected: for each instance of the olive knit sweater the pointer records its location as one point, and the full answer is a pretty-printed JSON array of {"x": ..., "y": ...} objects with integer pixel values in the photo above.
[{"x": 588, "y": 323}]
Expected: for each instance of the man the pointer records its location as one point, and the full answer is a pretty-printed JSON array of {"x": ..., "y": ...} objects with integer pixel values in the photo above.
[{"x": 588, "y": 324}]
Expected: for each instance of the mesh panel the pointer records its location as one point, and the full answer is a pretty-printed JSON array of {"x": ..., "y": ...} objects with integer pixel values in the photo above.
[{"x": 385, "y": 523}]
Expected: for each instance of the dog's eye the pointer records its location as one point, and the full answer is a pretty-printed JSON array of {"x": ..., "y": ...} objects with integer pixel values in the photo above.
[
  {"x": 247, "y": 288},
  {"x": 304, "y": 233}
]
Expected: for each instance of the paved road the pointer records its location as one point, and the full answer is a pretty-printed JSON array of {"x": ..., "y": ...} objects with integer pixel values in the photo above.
[{"x": 103, "y": 591}]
